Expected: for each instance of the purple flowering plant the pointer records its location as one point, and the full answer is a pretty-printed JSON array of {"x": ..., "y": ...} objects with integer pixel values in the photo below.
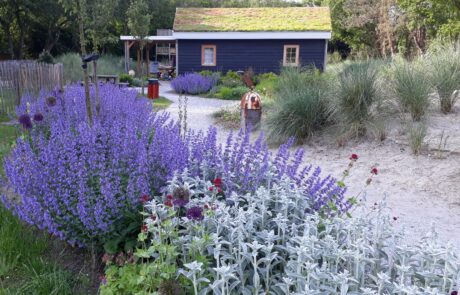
[
  {"x": 78, "y": 182},
  {"x": 193, "y": 83}
]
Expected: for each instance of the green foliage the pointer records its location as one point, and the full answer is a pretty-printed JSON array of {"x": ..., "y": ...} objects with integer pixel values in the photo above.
[
  {"x": 356, "y": 94},
  {"x": 444, "y": 60},
  {"x": 299, "y": 106},
  {"x": 412, "y": 88},
  {"x": 266, "y": 83},
  {"x": 235, "y": 93},
  {"x": 125, "y": 231},
  {"x": 22, "y": 268},
  {"x": 125, "y": 78},
  {"x": 45, "y": 57},
  {"x": 9, "y": 134},
  {"x": 231, "y": 79}
]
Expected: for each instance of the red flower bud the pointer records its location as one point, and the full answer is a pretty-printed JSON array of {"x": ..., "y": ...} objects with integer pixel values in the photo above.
[
  {"x": 395, "y": 218},
  {"x": 219, "y": 190},
  {"x": 211, "y": 188},
  {"x": 354, "y": 157},
  {"x": 217, "y": 181},
  {"x": 169, "y": 197},
  {"x": 168, "y": 203},
  {"x": 144, "y": 198},
  {"x": 374, "y": 171}
]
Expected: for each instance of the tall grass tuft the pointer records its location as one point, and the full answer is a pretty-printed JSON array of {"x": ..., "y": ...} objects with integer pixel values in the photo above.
[
  {"x": 417, "y": 133},
  {"x": 299, "y": 106},
  {"x": 444, "y": 62},
  {"x": 412, "y": 88},
  {"x": 356, "y": 94}
]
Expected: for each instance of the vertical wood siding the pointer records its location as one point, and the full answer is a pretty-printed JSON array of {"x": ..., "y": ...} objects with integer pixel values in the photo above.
[{"x": 261, "y": 55}]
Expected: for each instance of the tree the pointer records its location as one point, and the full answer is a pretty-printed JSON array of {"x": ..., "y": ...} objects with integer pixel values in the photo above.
[{"x": 138, "y": 24}]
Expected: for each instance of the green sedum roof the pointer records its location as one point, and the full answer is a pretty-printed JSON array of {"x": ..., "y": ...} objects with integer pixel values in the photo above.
[{"x": 252, "y": 19}]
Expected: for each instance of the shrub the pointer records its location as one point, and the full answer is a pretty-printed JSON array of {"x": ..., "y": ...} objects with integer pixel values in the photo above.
[
  {"x": 231, "y": 80},
  {"x": 266, "y": 83},
  {"x": 299, "y": 106},
  {"x": 412, "y": 89},
  {"x": 192, "y": 83},
  {"x": 357, "y": 92},
  {"x": 45, "y": 57},
  {"x": 268, "y": 242},
  {"x": 445, "y": 74},
  {"x": 125, "y": 78},
  {"x": 228, "y": 93}
]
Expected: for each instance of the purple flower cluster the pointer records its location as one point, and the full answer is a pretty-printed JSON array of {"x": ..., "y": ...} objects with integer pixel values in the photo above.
[
  {"x": 193, "y": 83},
  {"x": 76, "y": 181}
]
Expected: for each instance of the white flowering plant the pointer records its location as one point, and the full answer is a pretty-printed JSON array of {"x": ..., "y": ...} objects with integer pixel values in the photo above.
[{"x": 269, "y": 242}]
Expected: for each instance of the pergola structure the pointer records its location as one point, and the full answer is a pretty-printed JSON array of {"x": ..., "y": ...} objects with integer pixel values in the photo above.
[{"x": 164, "y": 46}]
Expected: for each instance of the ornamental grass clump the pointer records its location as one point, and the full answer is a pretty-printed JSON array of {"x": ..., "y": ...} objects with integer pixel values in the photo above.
[
  {"x": 357, "y": 93},
  {"x": 193, "y": 83},
  {"x": 444, "y": 62},
  {"x": 300, "y": 105},
  {"x": 268, "y": 242},
  {"x": 412, "y": 88}
]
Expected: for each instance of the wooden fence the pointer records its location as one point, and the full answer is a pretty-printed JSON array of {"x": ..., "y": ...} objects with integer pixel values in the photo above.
[{"x": 18, "y": 78}]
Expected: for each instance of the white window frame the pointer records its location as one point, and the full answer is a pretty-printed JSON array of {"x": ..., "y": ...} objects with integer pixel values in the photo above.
[
  {"x": 290, "y": 46},
  {"x": 203, "y": 48}
]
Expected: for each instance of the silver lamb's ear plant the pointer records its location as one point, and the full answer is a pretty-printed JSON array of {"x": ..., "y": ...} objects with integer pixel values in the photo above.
[{"x": 268, "y": 242}]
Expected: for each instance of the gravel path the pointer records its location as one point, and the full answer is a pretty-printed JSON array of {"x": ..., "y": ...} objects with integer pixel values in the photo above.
[{"x": 199, "y": 110}]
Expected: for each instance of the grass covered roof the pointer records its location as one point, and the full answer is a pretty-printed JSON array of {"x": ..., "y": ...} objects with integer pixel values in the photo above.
[{"x": 252, "y": 19}]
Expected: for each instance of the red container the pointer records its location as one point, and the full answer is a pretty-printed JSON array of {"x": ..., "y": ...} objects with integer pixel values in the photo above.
[{"x": 153, "y": 89}]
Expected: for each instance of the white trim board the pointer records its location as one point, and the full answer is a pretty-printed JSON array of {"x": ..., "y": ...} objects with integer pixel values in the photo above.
[
  {"x": 251, "y": 35},
  {"x": 148, "y": 38}
]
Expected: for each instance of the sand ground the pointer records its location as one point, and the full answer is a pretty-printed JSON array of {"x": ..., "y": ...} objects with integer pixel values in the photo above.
[{"x": 421, "y": 191}]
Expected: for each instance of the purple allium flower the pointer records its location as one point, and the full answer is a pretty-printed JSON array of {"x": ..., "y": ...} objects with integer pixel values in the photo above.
[
  {"x": 195, "y": 213},
  {"x": 51, "y": 101},
  {"x": 38, "y": 117},
  {"x": 25, "y": 121}
]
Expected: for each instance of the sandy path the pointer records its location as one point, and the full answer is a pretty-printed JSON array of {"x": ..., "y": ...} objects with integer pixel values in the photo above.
[{"x": 420, "y": 190}]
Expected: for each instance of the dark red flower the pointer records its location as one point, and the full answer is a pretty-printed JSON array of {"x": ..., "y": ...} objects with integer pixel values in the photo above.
[
  {"x": 454, "y": 293},
  {"x": 169, "y": 197},
  {"x": 211, "y": 188},
  {"x": 144, "y": 228},
  {"x": 374, "y": 171},
  {"x": 206, "y": 206},
  {"x": 169, "y": 203},
  {"x": 395, "y": 218},
  {"x": 217, "y": 182},
  {"x": 144, "y": 198},
  {"x": 219, "y": 190},
  {"x": 354, "y": 157}
]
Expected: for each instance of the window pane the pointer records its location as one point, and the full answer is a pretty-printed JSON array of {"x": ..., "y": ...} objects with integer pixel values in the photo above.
[
  {"x": 209, "y": 56},
  {"x": 291, "y": 54}
]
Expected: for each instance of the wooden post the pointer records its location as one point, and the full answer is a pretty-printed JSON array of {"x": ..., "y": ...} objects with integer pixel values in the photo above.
[
  {"x": 126, "y": 57},
  {"x": 147, "y": 66},
  {"x": 138, "y": 65}
]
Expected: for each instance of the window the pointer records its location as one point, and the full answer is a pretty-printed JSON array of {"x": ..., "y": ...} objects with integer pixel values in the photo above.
[
  {"x": 291, "y": 55},
  {"x": 208, "y": 55}
]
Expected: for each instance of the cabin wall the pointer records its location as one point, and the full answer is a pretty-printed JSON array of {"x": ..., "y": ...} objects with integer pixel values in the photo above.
[{"x": 261, "y": 55}]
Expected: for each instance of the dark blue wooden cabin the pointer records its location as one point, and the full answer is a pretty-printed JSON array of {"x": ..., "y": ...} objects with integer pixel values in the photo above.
[{"x": 209, "y": 39}]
